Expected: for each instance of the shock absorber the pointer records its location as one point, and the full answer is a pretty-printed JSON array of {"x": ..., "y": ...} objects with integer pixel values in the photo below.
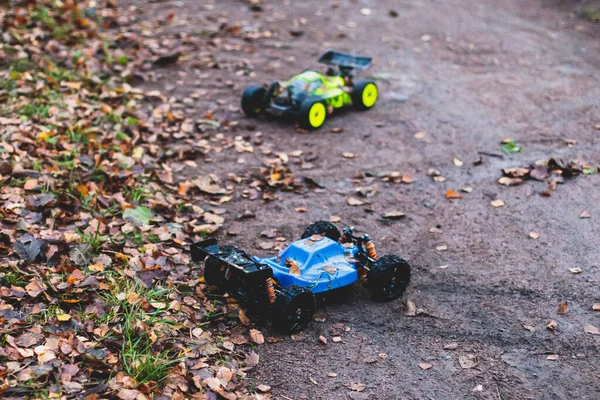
[
  {"x": 270, "y": 286},
  {"x": 370, "y": 247}
]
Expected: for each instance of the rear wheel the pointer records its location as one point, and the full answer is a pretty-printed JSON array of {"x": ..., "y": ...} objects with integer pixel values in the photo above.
[
  {"x": 323, "y": 228},
  {"x": 293, "y": 309},
  {"x": 364, "y": 95},
  {"x": 253, "y": 100},
  {"x": 312, "y": 114},
  {"x": 214, "y": 269},
  {"x": 388, "y": 277}
]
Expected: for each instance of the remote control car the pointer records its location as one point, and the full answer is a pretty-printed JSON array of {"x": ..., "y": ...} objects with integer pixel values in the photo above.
[
  {"x": 285, "y": 285},
  {"x": 311, "y": 96}
]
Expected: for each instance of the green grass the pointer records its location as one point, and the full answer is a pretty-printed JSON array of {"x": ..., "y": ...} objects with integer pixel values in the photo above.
[
  {"x": 139, "y": 356},
  {"x": 591, "y": 13}
]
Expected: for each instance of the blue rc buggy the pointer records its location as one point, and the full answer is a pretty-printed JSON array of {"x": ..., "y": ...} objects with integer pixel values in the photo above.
[{"x": 286, "y": 284}]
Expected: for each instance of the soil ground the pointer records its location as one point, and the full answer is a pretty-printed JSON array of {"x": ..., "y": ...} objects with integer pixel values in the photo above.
[{"x": 468, "y": 74}]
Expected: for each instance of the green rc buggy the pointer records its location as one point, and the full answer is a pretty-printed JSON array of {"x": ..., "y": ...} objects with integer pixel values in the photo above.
[{"x": 311, "y": 96}]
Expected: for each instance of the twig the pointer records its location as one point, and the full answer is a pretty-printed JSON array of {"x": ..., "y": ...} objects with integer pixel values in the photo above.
[{"x": 485, "y": 153}]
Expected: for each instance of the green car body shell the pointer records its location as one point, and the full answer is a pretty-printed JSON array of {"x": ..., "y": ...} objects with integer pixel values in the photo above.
[{"x": 328, "y": 88}]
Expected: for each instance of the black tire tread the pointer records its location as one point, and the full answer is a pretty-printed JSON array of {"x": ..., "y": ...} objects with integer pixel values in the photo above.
[
  {"x": 323, "y": 228},
  {"x": 305, "y": 107},
  {"x": 379, "y": 274},
  {"x": 356, "y": 96},
  {"x": 285, "y": 299}
]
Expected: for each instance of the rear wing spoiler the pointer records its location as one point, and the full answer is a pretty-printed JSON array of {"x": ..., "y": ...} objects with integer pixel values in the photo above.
[
  {"x": 204, "y": 248},
  {"x": 343, "y": 60}
]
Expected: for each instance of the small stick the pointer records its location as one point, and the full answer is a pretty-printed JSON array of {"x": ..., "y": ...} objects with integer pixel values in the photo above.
[{"x": 485, "y": 153}]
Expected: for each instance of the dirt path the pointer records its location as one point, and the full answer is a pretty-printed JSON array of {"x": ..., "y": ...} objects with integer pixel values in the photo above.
[{"x": 468, "y": 74}]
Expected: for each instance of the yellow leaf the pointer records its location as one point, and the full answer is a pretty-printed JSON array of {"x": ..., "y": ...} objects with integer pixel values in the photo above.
[
  {"x": 63, "y": 317},
  {"x": 137, "y": 154}
]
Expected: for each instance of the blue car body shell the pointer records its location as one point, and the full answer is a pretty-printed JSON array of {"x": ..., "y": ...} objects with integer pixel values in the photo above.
[{"x": 323, "y": 264}]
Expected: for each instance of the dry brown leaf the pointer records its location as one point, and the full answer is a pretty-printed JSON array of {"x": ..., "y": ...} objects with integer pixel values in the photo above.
[
  {"x": 411, "y": 309},
  {"x": 576, "y": 270},
  {"x": 563, "y": 308},
  {"x": 257, "y": 336},
  {"x": 354, "y": 201},
  {"x": 467, "y": 361},
  {"x": 393, "y": 215},
  {"x": 497, "y": 203},
  {"x": 591, "y": 329},
  {"x": 585, "y": 214}
]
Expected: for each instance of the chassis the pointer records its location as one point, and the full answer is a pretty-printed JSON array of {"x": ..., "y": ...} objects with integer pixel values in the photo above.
[{"x": 285, "y": 285}]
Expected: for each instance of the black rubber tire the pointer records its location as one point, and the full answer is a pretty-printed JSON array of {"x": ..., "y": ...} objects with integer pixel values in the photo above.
[
  {"x": 323, "y": 228},
  {"x": 214, "y": 269},
  {"x": 388, "y": 277},
  {"x": 253, "y": 100},
  {"x": 357, "y": 94},
  {"x": 304, "y": 112},
  {"x": 293, "y": 309}
]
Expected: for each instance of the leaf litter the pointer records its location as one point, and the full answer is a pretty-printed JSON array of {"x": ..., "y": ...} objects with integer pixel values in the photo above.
[{"x": 99, "y": 296}]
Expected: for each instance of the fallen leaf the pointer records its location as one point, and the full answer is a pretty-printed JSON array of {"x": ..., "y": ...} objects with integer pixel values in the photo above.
[
  {"x": 138, "y": 215},
  {"x": 411, "y": 309},
  {"x": 596, "y": 307},
  {"x": 451, "y": 194},
  {"x": 393, "y": 214},
  {"x": 355, "y": 202},
  {"x": 263, "y": 388},
  {"x": 357, "y": 387},
  {"x": 63, "y": 317},
  {"x": 497, "y": 203},
  {"x": 349, "y": 155},
  {"x": 591, "y": 329},
  {"x": 576, "y": 270},
  {"x": 466, "y": 189},
  {"x": 256, "y": 336},
  {"x": 323, "y": 339},
  {"x": 563, "y": 308},
  {"x": 467, "y": 361},
  {"x": 425, "y": 366},
  {"x": 585, "y": 214},
  {"x": 552, "y": 325},
  {"x": 457, "y": 162}
]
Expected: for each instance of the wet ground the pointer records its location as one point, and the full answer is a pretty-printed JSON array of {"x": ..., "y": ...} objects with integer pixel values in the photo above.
[{"x": 465, "y": 75}]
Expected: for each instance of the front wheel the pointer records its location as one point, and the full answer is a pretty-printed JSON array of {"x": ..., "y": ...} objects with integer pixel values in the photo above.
[
  {"x": 388, "y": 277},
  {"x": 364, "y": 95},
  {"x": 312, "y": 114},
  {"x": 293, "y": 309},
  {"x": 253, "y": 100}
]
